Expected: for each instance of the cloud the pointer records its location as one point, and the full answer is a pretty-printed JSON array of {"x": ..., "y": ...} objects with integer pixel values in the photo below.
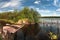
[
  {"x": 11, "y": 3},
  {"x": 55, "y": 2},
  {"x": 10, "y": 10},
  {"x": 6, "y": 11},
  {"x": 37, "y": 2},
  {"x": 58, "y": 10},
  {"x": 43, "y": 12},
  {"x": 54, "y": 14},
  {"x": 32, "y": 7},
  {"x": 47, "y": 12}
]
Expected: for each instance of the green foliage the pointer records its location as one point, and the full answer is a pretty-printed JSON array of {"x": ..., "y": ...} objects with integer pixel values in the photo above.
[
  {"x": 0, "y": 37},
  {"x": 26, "y": 12},
  {"x": 31, "y": 14}
]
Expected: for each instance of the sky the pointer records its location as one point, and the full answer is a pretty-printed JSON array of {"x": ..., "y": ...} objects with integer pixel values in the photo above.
[{"x": 44, "y": 7}]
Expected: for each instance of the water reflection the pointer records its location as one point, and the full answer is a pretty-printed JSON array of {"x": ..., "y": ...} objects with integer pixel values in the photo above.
[
  {"x": 50, "y": 27},
  {"x": 39, "y": 32}
]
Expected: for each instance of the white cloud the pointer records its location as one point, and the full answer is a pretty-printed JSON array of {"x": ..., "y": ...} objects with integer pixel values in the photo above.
[
  {"x": 58, "y": 10},
  {"x": 55, "y": 2},
  {"x": 54, "y": 14},
  {"x": 47, "y": 12},
  {"x": 5, "y": 5},
  {"x": 12, "y": 3},
  {"x": 31, "y": 7},
  {"x": 1, "y": 11},
  {"x": 43, "y": 12},
  {"x": 10, "y": 10},
  {"x": 6, "y": 11},
  {"x": 37, "y": 2}
]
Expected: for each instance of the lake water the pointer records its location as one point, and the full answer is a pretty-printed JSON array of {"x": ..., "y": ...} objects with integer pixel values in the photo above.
[
  {"x": 35, "y": 32},
  {"x": 55, "y": 28}
]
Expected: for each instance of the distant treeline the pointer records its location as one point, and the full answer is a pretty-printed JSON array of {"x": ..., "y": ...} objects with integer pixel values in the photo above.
[{"x": 50, "y": 17}]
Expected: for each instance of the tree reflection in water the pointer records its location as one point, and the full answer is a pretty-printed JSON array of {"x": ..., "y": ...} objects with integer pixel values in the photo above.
[{"x": 35, "y": 32}]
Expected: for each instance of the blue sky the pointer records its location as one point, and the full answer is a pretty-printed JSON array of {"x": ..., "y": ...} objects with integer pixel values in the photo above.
[{"x": 44, "y": 7}]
